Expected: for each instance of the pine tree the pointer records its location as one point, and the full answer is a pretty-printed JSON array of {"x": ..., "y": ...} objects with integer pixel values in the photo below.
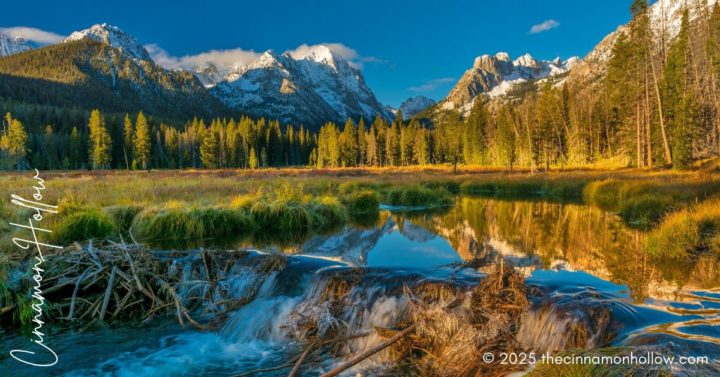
[
  {"x": 348, "y": 144},
  {"x": 127, "y": 140},
  {"x": 474, "y": 139},
  {"x": 51, "y": 150},
  {"x": 208, "y": 150},
  {"x": 679, "y": 105},
  {"x": 141, "y": 142},
  {"x": 100, "y": 142},
  {"x": 76, "y": 149}
]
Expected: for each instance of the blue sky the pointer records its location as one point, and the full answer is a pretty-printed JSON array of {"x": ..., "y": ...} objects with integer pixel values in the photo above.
[{"x": 405, "y": 48}]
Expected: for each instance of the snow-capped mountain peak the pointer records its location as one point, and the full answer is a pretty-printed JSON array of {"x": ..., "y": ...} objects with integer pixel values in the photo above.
[
  {"x": 502, "y": 56},
  {"x": 268, "y": 59},
  {"x": 495, "y": 75},
  {"x": 114, "y": 37},
  {"x": 320, "y": 54},
  {"x": 310, "y": 85},
  {"x": 10, "y": 45},
  {"x": 526, "y": 60},
  {"x": 414, "y": 105}
]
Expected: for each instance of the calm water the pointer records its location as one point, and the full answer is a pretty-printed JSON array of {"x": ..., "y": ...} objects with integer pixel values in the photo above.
[{"x": 583, "y": 260}]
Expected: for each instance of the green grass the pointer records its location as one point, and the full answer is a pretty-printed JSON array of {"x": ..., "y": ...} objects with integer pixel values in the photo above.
[
  {"x": 329, "y": 213},
  {"x": 646, "y": 211},
  {"x": 362, "y": 203},
  {"x": 687, "y": 232},
  {"x": 84, "y": 225},
  {"x": 283, "y": 217},
  {"x": 642, "y": 198},
  {"x": 418, "y": 196},
  {"x": 189, "y": 223},
  {"x": 643, "y": 203},
  {"x": 122, "y": 216}
]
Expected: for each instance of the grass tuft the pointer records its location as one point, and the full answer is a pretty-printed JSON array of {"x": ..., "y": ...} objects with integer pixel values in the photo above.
[
  {"x": 189, "y": 223},
  {"x": 418, "y": 196},
  {"x": 645, "y": 211},
  {"x": 122, "y": 216},
  {"x": 687, "y": 232},
  {"x": 362, "y": 203},
  {"x": 84, "y": 225},
  {"x": 282, "y": 216}
]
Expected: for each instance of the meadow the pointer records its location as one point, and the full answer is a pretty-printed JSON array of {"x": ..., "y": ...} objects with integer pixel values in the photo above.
[{"x": 288, "y": 204}]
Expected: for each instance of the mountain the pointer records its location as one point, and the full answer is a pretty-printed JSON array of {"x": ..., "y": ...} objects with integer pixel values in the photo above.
[
  {"x": 312, "y": 88},
  {"x": 118, "y": 74},
  {"x": 10, "y": 45},
  {"x": 494, "y": 76},
  {"x": 104, "y": 68},
  {"x": 665, "y": 19},
  {"x": 113, "y": 37},
  {"x": 414, "y": 105}
]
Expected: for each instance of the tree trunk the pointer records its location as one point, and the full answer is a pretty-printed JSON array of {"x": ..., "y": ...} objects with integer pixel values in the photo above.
[
  {"x": 666, "y": 146},
  {"x": 637, "y": 135},
  {"x": 648, "y": 132}
]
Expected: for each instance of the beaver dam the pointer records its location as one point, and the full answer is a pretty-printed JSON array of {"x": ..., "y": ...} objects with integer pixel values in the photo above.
[{"x": 413, "y": 293}]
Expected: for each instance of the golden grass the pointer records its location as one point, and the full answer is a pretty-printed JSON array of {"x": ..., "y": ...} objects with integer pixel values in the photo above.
[
  {"x": 687, "y": 232},
  {"x": 241, "y": 189}
]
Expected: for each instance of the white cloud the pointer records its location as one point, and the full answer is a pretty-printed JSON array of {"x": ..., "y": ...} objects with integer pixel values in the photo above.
[
  {"x": 221, "y": 58},
  {"x": 433, "y": 84},
  {"x": 225, "y": 60},
  {"x": 544, "y": 26},
  {"x": 32, "y": 34}
]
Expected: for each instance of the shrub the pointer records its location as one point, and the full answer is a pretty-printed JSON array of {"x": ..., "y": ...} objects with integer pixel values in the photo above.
[{"x": 84, "y": 225}]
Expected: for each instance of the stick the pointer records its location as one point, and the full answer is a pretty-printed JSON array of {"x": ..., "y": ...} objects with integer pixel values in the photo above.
[
  {"x": 108, "y": 291},
  {"x": 296, "y": 368},
  {"x": 6, "y": 309},
  {"x": 75, "y": 292},
  {"x": 370, "y": 352}
]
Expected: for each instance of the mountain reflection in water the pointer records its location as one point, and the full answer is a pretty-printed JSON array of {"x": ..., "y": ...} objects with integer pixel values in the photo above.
[{"x": 583, "y": 266}]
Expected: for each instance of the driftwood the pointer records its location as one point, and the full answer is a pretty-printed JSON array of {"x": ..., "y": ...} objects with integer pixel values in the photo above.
[
  {"x": 101, "y": 281},
  {"x": 359, "y": 358},
  {"x": 108, "y": 292},
  {"x": 298, "y": 364}
]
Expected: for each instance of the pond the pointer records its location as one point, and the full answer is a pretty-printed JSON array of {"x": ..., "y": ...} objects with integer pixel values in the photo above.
[{"x": 583, "y": 261}]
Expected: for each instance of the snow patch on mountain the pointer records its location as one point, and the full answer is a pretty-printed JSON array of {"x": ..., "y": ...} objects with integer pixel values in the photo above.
[
  {"x": 10, "y": 46},
  {"x": 114, "y": 37},
  {"x": 666, "y": 15},
  {"x": 311, "y": 85},
  {"x": 495, "y": 76},
  {"x": 665, "y": 19},
  {"x": 414, "y": 105}
]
